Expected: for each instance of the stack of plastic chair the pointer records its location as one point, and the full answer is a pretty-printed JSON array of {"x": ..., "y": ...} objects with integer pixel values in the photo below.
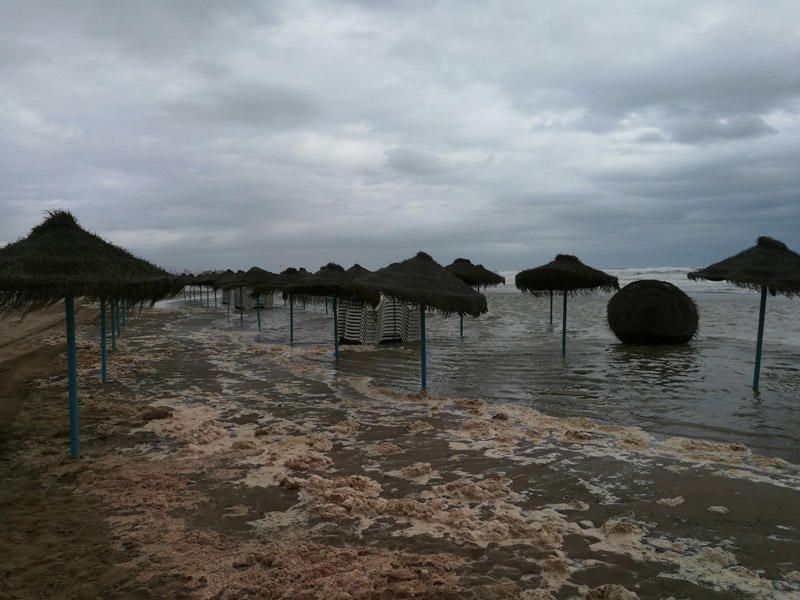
[
  {"x": 410, "y": 327},
  {"x": 349, "y": 314},
  {"x": 369, "y": 325},
  {"x": 390, "y": 320}
]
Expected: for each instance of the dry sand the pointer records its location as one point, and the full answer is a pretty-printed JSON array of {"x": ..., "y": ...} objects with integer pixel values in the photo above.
[{"x": 217, "y": 467}]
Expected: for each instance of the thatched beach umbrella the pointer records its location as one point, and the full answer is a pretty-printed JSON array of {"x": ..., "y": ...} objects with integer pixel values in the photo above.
[
  {"x": 652, "y": 312},
  {"x": 331, "y": 281},
  {"x": 473, "y": 276},
  {"x": 59, "y": 260},
  {"x": 255, "y": 276},
  {"x": 767, "y": 266},
  {"x": 423, "y": 281},
  {"x": 568, "y": 275},
  {"x": 274, "y": 284}
]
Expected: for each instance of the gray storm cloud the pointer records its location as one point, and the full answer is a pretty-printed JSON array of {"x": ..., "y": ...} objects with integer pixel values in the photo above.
[{"x": 202, "y": 134}]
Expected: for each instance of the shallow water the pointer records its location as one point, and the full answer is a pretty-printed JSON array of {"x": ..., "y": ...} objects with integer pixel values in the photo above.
[{"x": 512, "y": 354}]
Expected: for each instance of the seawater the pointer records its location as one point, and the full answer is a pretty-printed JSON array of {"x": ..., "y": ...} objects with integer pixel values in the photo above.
[{"x": 512, "y": 354}]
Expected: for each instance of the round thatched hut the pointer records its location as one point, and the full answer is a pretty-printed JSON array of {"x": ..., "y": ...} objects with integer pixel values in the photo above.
[
  {"x": 652, "y": 312},
  {"x": 565, "y": 275},
  {"x": 769, "y": 266}
]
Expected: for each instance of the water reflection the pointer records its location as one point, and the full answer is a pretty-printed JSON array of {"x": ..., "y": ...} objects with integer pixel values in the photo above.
[{"x": 512, "y": 354}]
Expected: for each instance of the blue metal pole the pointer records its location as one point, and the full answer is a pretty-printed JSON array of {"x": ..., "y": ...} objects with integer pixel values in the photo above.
[
  {"x": 422, "y": 357},
  {"x": 551, "y": 307},
  {"x": 103, "y": 359},
  {"x": 291, "y": 319},
  {"x": 760, "y": 341},
  {"x": 241, "y": 306},
  {"x": 72, "y": 377},
  {"x": 113, "y": 308},
  {"x": 208, "y": 296},
  {"x": 564, "y": 328},
  {"x": 258, "y": 311},
  {"x": 461, "y": 325},
  {"x": 335, "y": 328},
  {"x": 124, "y": 312}
]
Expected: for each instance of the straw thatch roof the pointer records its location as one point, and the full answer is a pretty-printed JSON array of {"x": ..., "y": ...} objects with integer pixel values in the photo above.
[
  {"x": 330, "y": 281},
  {"x": 254, "y": 276},
  {"x": 59, "y": 259},
  {"x": 205, "y": 278},
  {"x": 652, "y": 312},
  {"x": 768, "y": 263},
  {"x": 357, "y": 271},
  {"x": 565, "y": 273},
  {"x": 422, "y": 280},
  {"x": 474, "y": 275},
  {"x": 284, "y": 278}
]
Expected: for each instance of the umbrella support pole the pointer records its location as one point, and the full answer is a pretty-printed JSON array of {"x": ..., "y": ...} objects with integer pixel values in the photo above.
[
  {"x": 422, "y": 349},
  {"x": 291, "y": 319},
  {"x": 258, "y": 311},
  {"x": 760, "y": 340},
  {"x": 564, "y": 328},
  {"x": 124, "y": 311},
  {"x": 229, "y": 302},
  {"x": 103, "y": 358},
  {"x": 112, "y": 309},
  {"x": 72, "y": 376},
  {"x": 551, "y": 307},
  {"x": 335, "y": 329},
  {"x": 215, "y": 297},
  {"x": 461, "y": 325},
  {"x": 326, "y": 305},
  {"x": 241, "y": 306}
]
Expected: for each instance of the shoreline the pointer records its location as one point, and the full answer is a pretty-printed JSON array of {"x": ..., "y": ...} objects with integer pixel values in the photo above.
[{"x": 267, "y": 473}]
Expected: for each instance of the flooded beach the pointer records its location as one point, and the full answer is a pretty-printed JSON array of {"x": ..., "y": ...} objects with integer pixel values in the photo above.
[{"x": 220, "y": 462}]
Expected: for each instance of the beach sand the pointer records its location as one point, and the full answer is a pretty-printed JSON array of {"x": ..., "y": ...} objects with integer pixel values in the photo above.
[{"x": 219, "y": 466}]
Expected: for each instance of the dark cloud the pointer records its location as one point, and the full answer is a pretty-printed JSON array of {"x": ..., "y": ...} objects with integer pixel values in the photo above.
[{"x": 206, "y": 134}]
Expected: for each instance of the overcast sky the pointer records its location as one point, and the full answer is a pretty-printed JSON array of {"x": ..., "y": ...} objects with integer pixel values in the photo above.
[{"x": 206, "y": 134}]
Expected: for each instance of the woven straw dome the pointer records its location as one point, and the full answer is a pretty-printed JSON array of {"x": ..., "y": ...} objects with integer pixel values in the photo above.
[
  {"x": 565, "y": 273},
  {"x": 474, "y": 275},
  {"x": 652, "y": 312},
  {"x": 768, "y": 263},
  {"x": 59, "y": 259},
  {"x": 421, "y": 280}
]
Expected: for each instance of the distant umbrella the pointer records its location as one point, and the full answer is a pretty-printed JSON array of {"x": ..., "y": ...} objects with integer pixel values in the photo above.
[
  {"x": 651, "y": 312},
  {"x": 473, "y": 276},
  {"x": 331, "y": 281},
  {"x": 423, "y": 281},
  {"x": 567, "y": 275},
  {"x": 277, "y": 283},
  {"x": 59, "y": 260},
  {"x": 767, "y": 266}
]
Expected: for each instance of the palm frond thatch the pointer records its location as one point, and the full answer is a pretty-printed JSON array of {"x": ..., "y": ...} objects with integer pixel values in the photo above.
[
  {"x": 565, "y": 274},
  {"x": 277, "y": 283},
  {"x": 474, "y": 275},
  {"x": 251, "y": 278},
  {"x": 59, "y": 259},
  {"x": 652, "y": 312},
  {"x": 421, "y": 280},
  {"x": 769, "y": 263},
  {"x": 331, "y": 281}
]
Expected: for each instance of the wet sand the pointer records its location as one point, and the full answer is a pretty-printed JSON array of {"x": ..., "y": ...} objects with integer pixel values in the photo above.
[{"x": 217, "y": 465}]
